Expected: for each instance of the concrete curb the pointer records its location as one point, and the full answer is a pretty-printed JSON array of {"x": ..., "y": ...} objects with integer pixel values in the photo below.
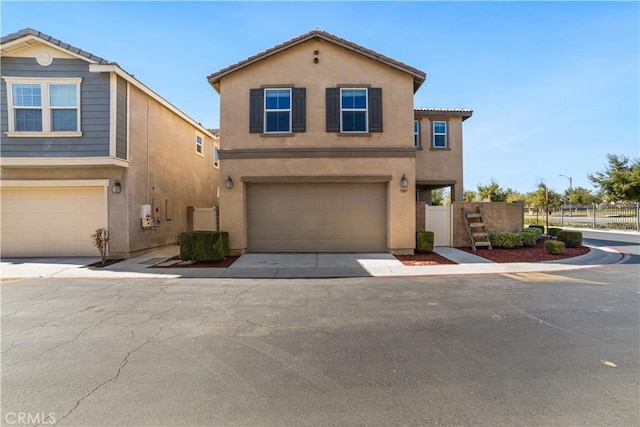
[{"x": 138, "y": 267}]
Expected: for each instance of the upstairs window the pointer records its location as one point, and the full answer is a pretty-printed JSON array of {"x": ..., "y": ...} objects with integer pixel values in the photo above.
[
  {"x": 274, "y": 111},
  {"x": 439, "y": 134},
  {"x": 353, "y": 111},
  {"x": 199, "y": 145},
  {"x": 37, "y": 106},
  {"x": 216, "y": 157},
  {"x": 416, "y": 133},
  {"x": 277, "y": 110}
]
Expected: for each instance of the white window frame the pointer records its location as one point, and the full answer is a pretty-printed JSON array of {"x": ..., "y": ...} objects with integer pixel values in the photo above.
[
  {"x": 45, "y": 107},
  {"x": 278, "y": 110},
  {"x": 199, "y": 145},
  {"x": 216, "y": 157},
  {"x": 433, "y": 130},
  {"x": 365, "y": 109},
  {"x": 416, "y": 133}
]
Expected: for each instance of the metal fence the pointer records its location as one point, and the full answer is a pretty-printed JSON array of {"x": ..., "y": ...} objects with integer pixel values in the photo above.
[{"x": 603, "y": 216}]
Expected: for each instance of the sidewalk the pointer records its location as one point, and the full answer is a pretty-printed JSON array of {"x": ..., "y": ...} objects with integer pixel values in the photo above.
[{"x": 293, "y": 266}]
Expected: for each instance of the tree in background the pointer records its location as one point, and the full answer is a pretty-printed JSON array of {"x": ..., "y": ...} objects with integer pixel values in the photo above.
[
  {"x": 620, "y": 181},
  {"x": 514, "y": 196},
  {"x": 469, "y": 196},
  {"x": 579, "y": 196},
  {"x": 440, "y": 198},
  {"x": 492, "y": 192},
  {"x": 538, "y": 198}
]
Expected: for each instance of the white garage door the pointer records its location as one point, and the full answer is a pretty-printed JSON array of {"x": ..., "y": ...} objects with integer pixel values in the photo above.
[
  {"x": 317, "y": 217},
  {"x": 51, "y": 221}
]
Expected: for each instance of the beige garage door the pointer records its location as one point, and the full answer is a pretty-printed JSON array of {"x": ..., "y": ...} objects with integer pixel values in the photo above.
[
  {"x": 317, "y": 217},
  {"x": 51, "y": 221}
]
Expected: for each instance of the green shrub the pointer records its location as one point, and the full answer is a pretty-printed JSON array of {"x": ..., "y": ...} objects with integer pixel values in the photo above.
[
  {"x": 536, "y": 227},
  {"x": 505, "y": 240},
  {"x": 572, "y": 239},
  {"x": 554, "y": 246},
  {"x": 528, "y": 238},
  {"x": 553, "y": 231},
  {"x": 424, "y": 241},
  {"x": 535, "y": 231},
  {"x": 204, "y": 245}
]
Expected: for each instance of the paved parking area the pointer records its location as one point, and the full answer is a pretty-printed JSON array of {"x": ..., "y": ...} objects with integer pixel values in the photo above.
[{"x": 524, "y": 349}]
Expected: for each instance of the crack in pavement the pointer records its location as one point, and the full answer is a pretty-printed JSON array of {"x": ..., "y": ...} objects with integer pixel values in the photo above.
[{"x": 113, "y": 378}]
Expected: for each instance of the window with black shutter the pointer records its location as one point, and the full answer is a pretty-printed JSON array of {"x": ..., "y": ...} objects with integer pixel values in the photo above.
[
  {"x": 353, "y": 110},
  {"x": 277, "y": 110}
]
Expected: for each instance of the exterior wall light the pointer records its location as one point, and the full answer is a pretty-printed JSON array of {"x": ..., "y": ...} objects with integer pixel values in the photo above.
[
  {"x": 228, "y": 183},
  {"x": 116, "y": 187},
  {"x": 404, "y": 182}
]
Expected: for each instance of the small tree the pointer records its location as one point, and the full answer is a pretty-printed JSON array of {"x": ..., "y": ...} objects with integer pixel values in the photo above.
[
  {"x": 492, "y": 192},
  {"x": 101, "y": 241}
]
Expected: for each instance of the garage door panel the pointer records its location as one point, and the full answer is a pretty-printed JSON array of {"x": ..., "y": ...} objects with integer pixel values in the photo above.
[
  {"x": 317, "y": 217},
  {"x": 51, "y": 221}
]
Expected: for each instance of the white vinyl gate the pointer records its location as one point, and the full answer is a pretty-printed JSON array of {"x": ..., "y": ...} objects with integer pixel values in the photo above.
[{"x": 438, "y": 220}]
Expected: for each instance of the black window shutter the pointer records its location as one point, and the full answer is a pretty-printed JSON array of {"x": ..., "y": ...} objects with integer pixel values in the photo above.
[
  {"x": 375, "y": 109},
  {"x": 299, "y": 110},
  {"x": 333, "y": 109},
  {"x": 256, "y": 111}
]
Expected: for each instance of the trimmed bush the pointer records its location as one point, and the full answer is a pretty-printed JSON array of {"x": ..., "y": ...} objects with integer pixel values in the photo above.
[
  {"x": 506, "y": 240},
  {"x": 536, "y": 227},
  {"x": 572, "y": 239},
  {"x": 528, "y": 238},
  {"x": 204, "y": 245},
  {"x": 553, "y": 231},
  {"x": 424, "y": 241},
  {"x": 555, "y": 247},
  {"x": 535, "y": 231}
]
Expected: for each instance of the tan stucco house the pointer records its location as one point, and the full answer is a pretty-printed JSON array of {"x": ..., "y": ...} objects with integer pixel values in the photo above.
[
  {"x": 84, "y": 145},
  {"x": 323, "y": 151}
]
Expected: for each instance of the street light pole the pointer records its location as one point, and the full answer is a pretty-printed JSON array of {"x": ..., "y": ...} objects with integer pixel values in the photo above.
[{"x": 570, "y": 192}]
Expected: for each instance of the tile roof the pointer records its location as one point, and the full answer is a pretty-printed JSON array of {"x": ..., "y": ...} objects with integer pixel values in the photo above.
[
  {"x": 460, "y": 112},
  {"x": 31, "y": 32},
  {"x": 418, "y": 76}
]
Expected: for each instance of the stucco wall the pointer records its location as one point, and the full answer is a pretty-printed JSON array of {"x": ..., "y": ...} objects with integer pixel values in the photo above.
[
  {"x": 336, "y": 66},
  {"x": 497, "y": 216},
  {"x": 164, "y": 165},
  {"x": 435, "y": 165}
]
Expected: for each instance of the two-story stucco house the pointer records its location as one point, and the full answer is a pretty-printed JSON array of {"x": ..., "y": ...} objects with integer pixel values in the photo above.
[
  {"x": 322, "y": 150},
  {"x": 84, "y": 145}
]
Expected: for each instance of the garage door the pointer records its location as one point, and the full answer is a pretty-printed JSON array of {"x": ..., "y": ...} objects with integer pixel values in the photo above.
[
  {"x": 51, "y": 221},
  {"x": 317, "y": 217}
]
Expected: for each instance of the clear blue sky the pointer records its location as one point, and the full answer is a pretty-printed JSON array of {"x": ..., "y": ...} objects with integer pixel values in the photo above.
[{"x": 554, "y": 85}]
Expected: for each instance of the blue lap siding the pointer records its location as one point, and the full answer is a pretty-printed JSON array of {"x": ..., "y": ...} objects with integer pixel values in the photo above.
[{"x": 94, "y": 108}]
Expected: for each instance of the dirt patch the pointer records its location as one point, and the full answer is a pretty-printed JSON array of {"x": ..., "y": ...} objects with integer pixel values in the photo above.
[
  {"x": 223, "y": 263},
  {"x": 423, "y": 258},
  {"x": 535, "y": 253}
]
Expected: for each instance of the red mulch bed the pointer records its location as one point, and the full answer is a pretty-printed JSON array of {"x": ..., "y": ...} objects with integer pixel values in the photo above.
[
  {"x": 424, "y": 258},
  {"x": 535, "y": 253},
  {"x": 223, "y": 263}
]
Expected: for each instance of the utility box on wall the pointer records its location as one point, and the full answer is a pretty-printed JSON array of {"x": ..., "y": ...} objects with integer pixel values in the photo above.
[{"x": 205, "y": 219}]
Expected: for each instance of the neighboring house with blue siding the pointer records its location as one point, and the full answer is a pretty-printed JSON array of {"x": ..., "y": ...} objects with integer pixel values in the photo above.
[{"x": 84, "y": 145}]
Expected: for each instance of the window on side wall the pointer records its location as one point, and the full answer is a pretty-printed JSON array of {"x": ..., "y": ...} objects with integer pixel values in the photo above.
[
  {"x": 440, "y": 134},
  {"x": 216, "y": 157},
  {"x": 199, "y": 145},
  {"x": 416, "y": 133},
  {"x": 38, "y": 107}
]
